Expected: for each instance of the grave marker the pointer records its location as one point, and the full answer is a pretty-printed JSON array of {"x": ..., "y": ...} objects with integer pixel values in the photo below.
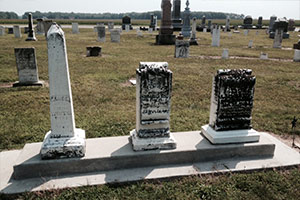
[
  {"x": 17, "y": 31},
  {"x": 75, "y": 28},
  {"x": 225, "y": 54},
  {"x": 93, "y": 51},
  {"x": 216, "y": 33},
  {"x": 31, "y": 34},
  {"x": 182, "y": 49},
  {"x": 101, "y": 33},
  {"x": 186, "y": 28},
  {"x": 115, "y": 35},
  {"x": 2, "y": 30}
]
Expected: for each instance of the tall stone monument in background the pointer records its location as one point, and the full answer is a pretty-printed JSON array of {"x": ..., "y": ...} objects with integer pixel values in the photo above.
[
  {"x": 166, "y": 36},
  {"x": 64, "y": 140},
  {"x": 153, "y": 22},
  {"x": 186, "y": 28},
  {"x": 153, "y": 106},
  {"x": 248, "y": 22},
  {"x": 260, "y": 22},
  {"x": 31, "y": 34},
  {"x": 231, "y": 108},
  {"x": 271, "y": 24},
  {"x": 227, "y": 26},
  {"x": 176, "y": 15}
]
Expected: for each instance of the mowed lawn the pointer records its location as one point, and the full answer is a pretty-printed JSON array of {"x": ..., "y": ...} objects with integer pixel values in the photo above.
[{"x": 104, "y": 102}]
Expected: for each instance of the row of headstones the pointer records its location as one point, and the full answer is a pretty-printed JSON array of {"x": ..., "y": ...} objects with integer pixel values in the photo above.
[{"x": 230, "y": 113}]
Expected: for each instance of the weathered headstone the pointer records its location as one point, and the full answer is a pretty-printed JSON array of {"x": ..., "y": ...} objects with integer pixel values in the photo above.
[
  {"x": 101, "y": 33},
  {"x": 126, "y": 20},
  {"x": 193, "y": 40},
  {"x": 139, "y": 33},
  {"x": 297, "y": 55},
  {"x": 111, "y": 25},
  {"x": 272, "y": 21},
  {"x": 250, "y": 44},
  {"x": 278, "y": 38},
  {"x": 47, "y": 24},
  {"x": 225, "y": 54},
  {"x": 216, "y": 33},
  {"x": 176, "y": 15},
  {"x": 257, "y": 33},
  {"x": 17, "y": 31},
  {"x": 182, "y": 49},
  {"x": 31, "y": 34},
  {"x": 93, "y": 51},
  {"x": 40, "y": 26},
  {"x": 227, "y": 26},
  {"x": 153, "y": 22},
  {"x": 248, "y": 22},
  {"x": 153, "y": 100},
  {"x": 127, "y": 28},
  {"x": 150, "y": 30},
  {"x": 64, "y": 140},
  {"x": 75, "y": 28},
  {"x": 186, "y": 28},
  {"x": 115, "y": 35},
  {"x": 166, "y": 36},
  {"x": 10, "y": 30},
  {"x": 281, "y": 24},
  {"x": 2, "y": 30},
  {"x": 27, "y": 67},
  {"x": 231, "y": 108},
  {"x": 259, "y": 22},
  {"x": 264, "y": 56}
]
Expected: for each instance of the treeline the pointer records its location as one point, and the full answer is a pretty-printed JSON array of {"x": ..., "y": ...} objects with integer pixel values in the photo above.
[
  {"x": 8, "y": 15},
  {"x": 133, "y": 15}
]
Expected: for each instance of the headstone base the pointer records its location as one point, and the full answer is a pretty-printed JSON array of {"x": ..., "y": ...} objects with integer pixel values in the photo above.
[
  {"x": 230, "y": 137},
  {"x": 39, "y": 84},
  {"x": 142, "y": 144},
  {"x": 165, "y": 39},
  {"x": 71, "y": 147}
]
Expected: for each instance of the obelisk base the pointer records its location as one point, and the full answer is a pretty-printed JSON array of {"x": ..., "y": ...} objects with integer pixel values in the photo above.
[
  {"x": 142, "y": 144},
  {"x": 165, "y": 39},
  {"x": 69, "y": 147}
]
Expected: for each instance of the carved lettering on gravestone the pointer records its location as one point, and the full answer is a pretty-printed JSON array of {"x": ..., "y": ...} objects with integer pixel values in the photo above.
[
  {"x": 182, "y": 49},
  {"x": 232, "y": 100},
  {"x": 154, "y": 85}
]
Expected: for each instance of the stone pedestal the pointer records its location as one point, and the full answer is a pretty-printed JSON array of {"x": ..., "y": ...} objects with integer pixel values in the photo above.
[
  {"x": 101, "y": 33},
  {"x": 297, "y": 55},
  {"x": 64, "y": 140},
  {"x": 153, "y": 100},
  {"x": 31, "y": 34},
  {"x": 231, "y": 108},
  {"x": 225, "y": 54},
  {"x": 182, "y": 49},
  {"x": 93, "y": 51},
  {"x": 115, "y": 35},
  {"x": 17, "y": 31},
  {"x": 165, "y": 39},
  {"x": 27, "y": 68},
  {"x": 75, "y": 28}
]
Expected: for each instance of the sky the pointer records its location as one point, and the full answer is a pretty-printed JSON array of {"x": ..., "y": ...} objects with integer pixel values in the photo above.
[{"x": 255, "y": 8}]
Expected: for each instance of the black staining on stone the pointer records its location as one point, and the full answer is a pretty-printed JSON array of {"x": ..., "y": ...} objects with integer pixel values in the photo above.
[{"x": 233, "y": 99}]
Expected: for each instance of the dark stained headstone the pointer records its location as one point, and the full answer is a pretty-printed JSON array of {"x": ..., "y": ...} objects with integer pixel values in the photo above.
[
  {"x": 153, "y": 22},
  {"x": 10, "y": 30},
  {"x": 248, "y": 22},
  {"x": 126, "y": 20},
  {"x": 259, "y": 23},
  {"x": 31, "y": 34},
  {"x": 232, "y": 100},
  {"x": 93, "y": 51}
]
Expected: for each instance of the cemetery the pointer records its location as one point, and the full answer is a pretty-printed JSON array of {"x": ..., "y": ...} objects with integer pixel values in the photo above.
[{"x": 106, "y": 109}]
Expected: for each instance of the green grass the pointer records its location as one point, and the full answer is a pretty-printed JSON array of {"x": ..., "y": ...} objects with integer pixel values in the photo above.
[{"x": 105, "y": 105}]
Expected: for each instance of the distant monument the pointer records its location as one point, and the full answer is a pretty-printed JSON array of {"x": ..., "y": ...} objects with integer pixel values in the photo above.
[
  {"x": 259, "y": 23},
  {"x": 248, "y": 22},
  {"x": 291, "y": 26},
  {"x": 126, "y": 20},
  {"x": 193, "y": 40},
  {"x": 216, "y": 34},
  {"x": 166, "y": 36},
  {"x": 231, "y": 108},
  {"x": 153, "y": 107},
  {"x": 280, "y": 24},
  {"x": 271, "y": 24},
  {"x": 31, "y": 34},
  {"x": 153, "y": 22},
  {"x": 176, "y": 15},
  {"x": 227, "y": 26},
  {"x": 186, "y": 28}
]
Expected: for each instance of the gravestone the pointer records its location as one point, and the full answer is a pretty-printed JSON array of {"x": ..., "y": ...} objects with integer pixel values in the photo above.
[
  {"x": 281, "y": 24},
  {"x": 2, "y": 30},
  {"x": 139, "y": 33},
  {"x": 186, "y": 27},
  {"x": 264, "y": 56},
  {"x": 297, "y": 55},
  {"x": 259, "y": 23},
  {"x": 31, "y": 34},
  {"x": 64, "y": 140},
  {"x": 176, "y": 15},
  {"x": 204, "y": 30},
  {"x": 193, "y": 40},
  {"x": 75, "y": 28},
  {"x": 278, "y": 38},
  {"x": 10, "y": 30},
  {"x": 127, "y": 28},
  {"x": 231, "y": 108},
  {"x": 166, "y": 36},
  {"x": 250, "y": 44},
  {"x": 111, "y": 25},
  {"x": 182, "y": 49},
  {"x": 153, "y": 22},
  {"x": 17, "y": 31},
  {"x": 209, "y": 25},
  {"x": 246, "y": 32},
  {"x": 248, "y": 22},
  {"x": 47, "y": 24},
  {"x": 115, "y": 35},
  {"x": 40, "y": 26},
  {"x": 291, "y": 26},
  {"x": 126, "y": 20},
  {"x": 216, "y": 33},
  {"x": 272, "y": 21},
  {"x": 93, "y": 51},
  {"x": 225, "y": 54},
  {"x": 150, "y": 30},
  {"x": 203, "y": 21},
  {"x": 227, "y": 26},
  {"x": 153, "y": 106},
  {"x": 297, "y": 45},
  {"x": 257, "y": 33},
  {"x": 101, "y": 33},
  {"x": 27, "y": 67}
]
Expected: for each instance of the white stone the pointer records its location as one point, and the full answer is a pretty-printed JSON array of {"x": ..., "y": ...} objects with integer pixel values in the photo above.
[
  {"x": 297, "y": 55},
  {"x": 204, "y": 30},
  {"x": 250, "y": 45},
  {"x": 75, "y": 28},
  {"x": 2, "y": 30},
  {"x": 150, "y": 30},
  {"x": 64, "y": 140},
  {"x": 246, "y": 32},
  {"x": 278, "y": 38},
  {"x": 216, "y": 37},
  {"x": 17, "y": 31},
  {"x": 141, "y": 144},
  {"x": 230, "y": 137},
  {"x": 264, "y": 56},
  {"x": 101, "y": 33},
  {"x": 182, "y": 49},
  {"x": 127, "y": 28},
  {"x": 225, "y": 54},
  {"x": 115, "y": 35}
]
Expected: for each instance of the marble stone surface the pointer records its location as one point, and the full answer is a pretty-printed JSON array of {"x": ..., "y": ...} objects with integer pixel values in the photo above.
[
  {"x": 216, "y": 34},
  {"x": 64, "y": 140},
  {"x": 297, "y": 55},
  {"x": 75, "y": 28},
  {"x": 17, "y": 31},
  {"x": 101, "y": 33},
  {"x": 227, "y": 26},
  {"x": 31, "y": 33},
  {"x": 115, "y": 35},
  {"x": 127, "y": 28},
  {"x": 93, "y": 51},
  {"x": 153, "y": 100},
  {"x": 182, "y": 49},
  {"x": 27, "y": 67}
]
